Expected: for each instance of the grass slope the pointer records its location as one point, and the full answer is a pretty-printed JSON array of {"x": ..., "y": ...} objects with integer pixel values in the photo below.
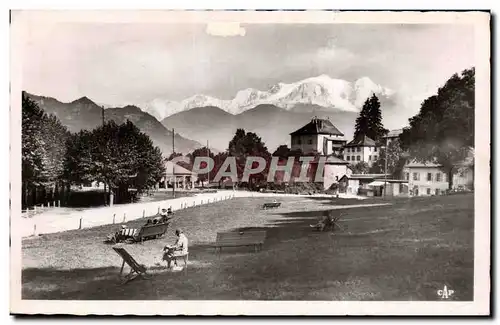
[{"x": 406, "y": 251}]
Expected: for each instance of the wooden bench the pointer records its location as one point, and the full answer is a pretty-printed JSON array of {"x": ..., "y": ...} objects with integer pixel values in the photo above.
[
  {"x": 254, "y": 238},
  {"x": 151, "y": 231},
  {"x": 271, "y": 205},
  {"x": 136, "y": 269}
]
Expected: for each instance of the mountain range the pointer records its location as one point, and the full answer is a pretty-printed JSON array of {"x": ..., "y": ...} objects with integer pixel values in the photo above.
[
  {"x": 83, "y": 113},
  {"x": 321, "y": 91}
]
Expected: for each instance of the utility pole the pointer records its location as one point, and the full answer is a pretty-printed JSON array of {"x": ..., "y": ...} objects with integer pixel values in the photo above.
[
  {"x": 104, "y": 164},
  {"x": 386, "y": 156},
  {"x": 173, "y": 166},
  {"x": 208, "y": 174}
]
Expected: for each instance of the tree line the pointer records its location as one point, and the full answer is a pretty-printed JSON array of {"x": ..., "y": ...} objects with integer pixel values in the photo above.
[{"x": 119, "y": 156}]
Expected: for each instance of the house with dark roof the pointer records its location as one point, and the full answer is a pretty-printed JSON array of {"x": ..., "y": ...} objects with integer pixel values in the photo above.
[
  {"x": 319, "y": 136},
  {"x": 362, "y": 148}
]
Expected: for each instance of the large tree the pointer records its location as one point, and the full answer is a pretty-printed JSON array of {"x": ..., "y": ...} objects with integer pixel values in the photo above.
[
  {"x": 248, "y": 144},
  {"x": 396, "y": 159},
  {"x": 443, "y": 131},
  {"x": 43, "y": 150},
  {"x": 369, "y": 121},
  {"x": 120, "y": 156}
]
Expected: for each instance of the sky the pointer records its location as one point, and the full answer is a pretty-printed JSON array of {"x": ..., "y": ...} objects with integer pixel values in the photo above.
[{"x": 118, "y": 64}]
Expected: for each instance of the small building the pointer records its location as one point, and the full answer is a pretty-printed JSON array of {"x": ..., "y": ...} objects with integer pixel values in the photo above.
[
  {"x": 393, "y": 187},
  {"x": 429, "y": 178},
  {"x": 333, "y": 171},
  {"x": 362, "y": 148},
  {"x": 392, "y": 135},
  {"x": 177, "y": 176},
  {"x": 425, "y": 178},
  {"x": 320, "y": 136},
  {"x": 358, "y": 184}
]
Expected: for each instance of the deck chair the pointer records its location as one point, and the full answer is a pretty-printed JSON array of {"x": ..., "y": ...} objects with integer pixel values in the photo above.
[{"x": 136, "y": 269}]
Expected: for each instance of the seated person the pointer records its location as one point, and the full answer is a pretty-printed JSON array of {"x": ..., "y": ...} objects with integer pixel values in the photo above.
[
  {"x": 180, "y": 248},
  {"x": 325, "y": 223},
  {"x": 166, "y": 215}
]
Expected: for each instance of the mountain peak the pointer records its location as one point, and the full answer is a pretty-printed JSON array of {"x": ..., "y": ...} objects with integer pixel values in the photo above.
[
  {"x": 83, "y": 100},
  {"x": 322, "y": 91}
]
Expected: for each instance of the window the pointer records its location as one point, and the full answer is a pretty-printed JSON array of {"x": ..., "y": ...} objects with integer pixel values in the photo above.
[
  {"x": 428, "y": 191},
  {"x": 374, "y": 157},
  {"x": 348, "y": 158},
  {"x": 416, "y": 176},
  {"x": 353, "y": 158},
  {"x": 358, "y": 158},
  {"x": 429, "y": 177},
  {"x": 375, "y": 149},
  {"x": 407, "y": 176},
  {"x": 310, "y": 141},
  {"x": 348, "y": 149},
  {"x": 298, "y": 141},
  {"x": 436, "y": 191},
  {"x": 370, "y": 157},
  {"x": 438, "y": 177}
]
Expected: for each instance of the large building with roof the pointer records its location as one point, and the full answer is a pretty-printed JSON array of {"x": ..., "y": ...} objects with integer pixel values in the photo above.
[
  {"x": 318, "y": 136},
  {"x": 362, "y": 148}
]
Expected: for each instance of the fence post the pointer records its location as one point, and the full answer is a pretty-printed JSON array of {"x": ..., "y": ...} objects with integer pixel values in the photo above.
[
  {"x": 114, "y": 215},
  {"x": 42, "y": 205},
  {"x": 158, "y": 209},
  {"x": 80, "y": 226},
  {"x": 143, "y": 213},
  {"x": 194, "y": 203},
  {"x": 58, "y": 203},
  {"x": 34, "y": 208},
  {"x": 34, "y": 229},
  {"x": 124, "y": 216}
]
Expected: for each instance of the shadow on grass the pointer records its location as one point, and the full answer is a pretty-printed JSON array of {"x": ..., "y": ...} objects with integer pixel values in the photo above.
[{"x": 382, "y": 255}]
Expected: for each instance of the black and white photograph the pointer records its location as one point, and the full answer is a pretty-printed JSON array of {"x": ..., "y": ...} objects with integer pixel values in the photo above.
[{"x": 250, "y": 163}]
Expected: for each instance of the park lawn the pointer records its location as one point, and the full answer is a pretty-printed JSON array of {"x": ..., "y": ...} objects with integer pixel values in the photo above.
[{"x": 403, "y": 251}]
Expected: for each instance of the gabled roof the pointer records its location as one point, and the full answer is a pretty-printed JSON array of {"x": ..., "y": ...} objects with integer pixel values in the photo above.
[
  {"x": 362, "y": 140},
  {"x": 330, "y": 160},
  {"x": 417, "y": 164},
  {"x": 366, "y": 176},
  {"x": 394, "y": 133},
  {"x": 318, "y": 126}
]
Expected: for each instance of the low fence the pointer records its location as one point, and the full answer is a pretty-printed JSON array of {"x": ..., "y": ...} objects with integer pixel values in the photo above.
[{"x": 56, "y": 220}]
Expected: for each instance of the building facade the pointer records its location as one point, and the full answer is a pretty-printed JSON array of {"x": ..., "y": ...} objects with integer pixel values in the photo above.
[
  {"x": 425, "y": 179},
  {"x": 362, "y": 148},
  {"x": 318, "y": 136}
]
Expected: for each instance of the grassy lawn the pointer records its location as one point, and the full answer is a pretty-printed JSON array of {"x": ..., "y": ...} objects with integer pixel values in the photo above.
[{"x": 405, "y": 251}]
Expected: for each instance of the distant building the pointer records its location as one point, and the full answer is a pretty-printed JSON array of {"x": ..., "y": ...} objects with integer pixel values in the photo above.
[
  {"x": 392, "y": 135},
  {"x": 177, "y": 176},
  {"x": 333, "y": 171},
  {"x": 362, "y": 148},
  {"x": 319, "y": 135},
  {"x": 429, "y": 179},
  {"x": 373, "y": 185}
]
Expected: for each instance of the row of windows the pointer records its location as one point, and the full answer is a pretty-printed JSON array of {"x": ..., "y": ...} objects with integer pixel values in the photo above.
[
  {"x": 358, "y": 158},
  {"x": 439, "y": 177},
  {"x": 358, "y": 149},
  {"x": 428, "y": 191},
  {"x": 299, "y": 141}
]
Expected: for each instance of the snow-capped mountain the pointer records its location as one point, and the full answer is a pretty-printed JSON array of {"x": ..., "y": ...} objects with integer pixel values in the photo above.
[{"x": 321, "y": 91}]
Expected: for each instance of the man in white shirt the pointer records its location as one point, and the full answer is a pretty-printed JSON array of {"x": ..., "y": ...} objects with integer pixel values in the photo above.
[{"x": 179, "y": 249}]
